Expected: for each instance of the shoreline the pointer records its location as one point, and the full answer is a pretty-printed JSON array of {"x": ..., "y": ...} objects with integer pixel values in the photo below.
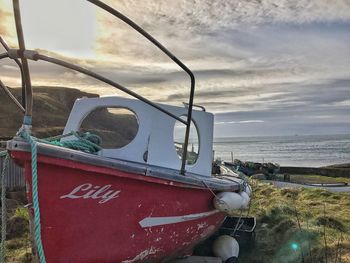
[{"x": 337, "y": 170}]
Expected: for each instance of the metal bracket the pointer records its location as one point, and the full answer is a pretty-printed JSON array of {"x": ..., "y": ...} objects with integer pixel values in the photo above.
[{"x": 28, "y": 54}]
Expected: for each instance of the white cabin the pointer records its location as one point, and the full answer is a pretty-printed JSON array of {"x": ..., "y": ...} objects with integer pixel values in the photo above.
[{"x": 153, "y": 143}]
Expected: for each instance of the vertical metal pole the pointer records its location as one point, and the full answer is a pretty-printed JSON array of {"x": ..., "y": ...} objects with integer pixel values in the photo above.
[
  {"x": 28, "y": 85},
  {"x": 188, "y": 126},
  {"x": 23, "y": 89},
  {"x": 232, "y": 156}
]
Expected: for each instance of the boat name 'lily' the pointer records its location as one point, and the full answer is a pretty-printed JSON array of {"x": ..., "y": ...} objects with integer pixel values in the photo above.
[{"x": 87, "y": 191}]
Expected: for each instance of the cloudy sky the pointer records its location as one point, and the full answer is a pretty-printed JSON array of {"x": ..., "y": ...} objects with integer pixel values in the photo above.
[{"x": 264, "y": 67}]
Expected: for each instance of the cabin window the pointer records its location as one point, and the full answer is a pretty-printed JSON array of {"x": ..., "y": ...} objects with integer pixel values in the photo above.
[
  {"x": 179, "y": 140},
  {"x": 116, "y": 126}
]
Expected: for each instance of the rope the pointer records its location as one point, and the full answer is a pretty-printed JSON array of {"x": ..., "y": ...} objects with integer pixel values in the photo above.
[
  {"x": 3, "y": 205},
  {"x": 239, "y": 224},
  {"x": 211, "y": 190},
  {"x": 85, "y": 142},
  {"x": 37, "y": 224}
]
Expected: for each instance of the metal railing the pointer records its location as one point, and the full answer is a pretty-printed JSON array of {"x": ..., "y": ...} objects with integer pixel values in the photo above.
[{"x": 21, "y": 56}]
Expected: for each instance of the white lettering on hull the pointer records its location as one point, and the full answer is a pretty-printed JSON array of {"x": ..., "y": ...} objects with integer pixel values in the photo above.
[{"x": 87, "y": 191}]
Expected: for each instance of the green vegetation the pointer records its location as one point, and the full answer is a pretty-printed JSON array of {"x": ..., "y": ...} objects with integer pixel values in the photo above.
[
  {"x": 18, "y": 243},
  {"x": 299, "y": 225}
]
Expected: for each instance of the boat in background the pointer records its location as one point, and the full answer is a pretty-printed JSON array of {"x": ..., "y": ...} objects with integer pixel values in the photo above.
[{"x": 135, "y": 203}]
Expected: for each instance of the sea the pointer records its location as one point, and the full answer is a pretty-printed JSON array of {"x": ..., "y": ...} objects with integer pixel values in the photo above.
[{"x": 298, "y": 150}]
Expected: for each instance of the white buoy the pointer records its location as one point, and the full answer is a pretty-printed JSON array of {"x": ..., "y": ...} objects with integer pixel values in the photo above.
[
  {"x": 228, "y": 201},
  {"x": 227, "y": 248}
]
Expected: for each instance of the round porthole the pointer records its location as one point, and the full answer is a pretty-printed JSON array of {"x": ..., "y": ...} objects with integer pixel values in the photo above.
[
  {"x": 116, "y": 126},
  {"x": 179, "y": 140}
]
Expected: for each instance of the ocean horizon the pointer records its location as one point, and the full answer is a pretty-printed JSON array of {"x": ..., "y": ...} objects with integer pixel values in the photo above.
[{"x": 296, "y": 150}]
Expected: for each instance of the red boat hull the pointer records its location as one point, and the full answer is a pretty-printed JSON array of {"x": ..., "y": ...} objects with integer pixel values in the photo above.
[{"x": 97, "y": 214}]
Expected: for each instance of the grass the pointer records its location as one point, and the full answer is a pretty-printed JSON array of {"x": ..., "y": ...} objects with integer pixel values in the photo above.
[
  {"x": 18, "y": 243},
  {"x": 291, "y": 224}
]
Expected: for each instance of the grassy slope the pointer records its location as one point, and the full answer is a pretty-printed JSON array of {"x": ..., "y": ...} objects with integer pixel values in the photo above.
[
  {"x": 50, "y": 113},
  {"x": 279, "y": 213}
]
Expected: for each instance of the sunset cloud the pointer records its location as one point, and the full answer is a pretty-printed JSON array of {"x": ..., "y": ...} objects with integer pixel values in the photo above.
[
  {"x": 4, "y": 17},
  {"x": 234, "y": 14},
  {"x": 260, "y": 61},
  {"x": 196, "y": 21}
]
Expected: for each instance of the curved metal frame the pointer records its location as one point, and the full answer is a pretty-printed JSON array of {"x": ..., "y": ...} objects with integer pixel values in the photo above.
[
  {"x": 24, "y": 55},
  {"x": 5, "y": 55}
]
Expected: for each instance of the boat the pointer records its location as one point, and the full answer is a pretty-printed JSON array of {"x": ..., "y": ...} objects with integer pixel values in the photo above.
[{"x": 141, "y": 202}]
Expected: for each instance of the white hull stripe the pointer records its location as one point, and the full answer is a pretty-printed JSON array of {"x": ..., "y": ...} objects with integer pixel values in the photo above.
[{"x": 159, "y": 221}]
